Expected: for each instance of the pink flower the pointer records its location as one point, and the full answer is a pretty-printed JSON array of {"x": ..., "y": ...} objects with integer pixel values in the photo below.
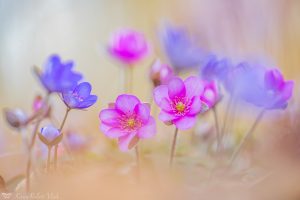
[
  {"x": 180, "y": 101},
  {"x": 128, "y": 46},
  {"x": 210, "y": 94},
  {"x": 161, "y": 74},
  {"x": 128, "y": 120}
]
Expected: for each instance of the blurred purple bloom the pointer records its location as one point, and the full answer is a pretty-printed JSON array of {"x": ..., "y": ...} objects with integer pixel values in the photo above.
[
  {"x": 16, "y": 118},
  {"x": 160, "y": 74},
  {"x": 128, "y": 120},
  {"x": 77, "y": 142},
  {"x": 180, "y": 102},
  {"x": 180, "y": 49},
  {"x": 128, "y": 46},
  {"x": 50, "y": 133},
  {"x": 79, "y": 97},
  {"x": 58, "y": 76},
  {"x": 215, "y": 69}
]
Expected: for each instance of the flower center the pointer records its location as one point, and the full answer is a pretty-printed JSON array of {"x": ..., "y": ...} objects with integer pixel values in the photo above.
[
  {"x": 77, "y": 96},
  {"x": 180, "y": 107},
  {"x": 130, "y": 123}
]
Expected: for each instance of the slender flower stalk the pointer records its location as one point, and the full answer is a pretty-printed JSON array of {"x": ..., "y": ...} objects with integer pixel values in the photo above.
[
  {"x": 49, "y": 158},
  {"x": 173, "y": 148},
  {"x": 217, "y": 128},
  {"x": 60, "y": 129},
  {"x": 226, "y": 117},
  {"x": 246, "y": 137},
  {"x": 31, "y": 145}
]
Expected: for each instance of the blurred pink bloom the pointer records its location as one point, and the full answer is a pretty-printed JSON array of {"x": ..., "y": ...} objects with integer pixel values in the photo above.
[
  {"x": 128, "y": 120},
  {"x": 128, "y": 46},
  {"x": 37, "y": 103},
  {"x": 180, "y": 101},
  {"x": 278, "y": 91},
  {"x": 161, "y": 74},
  {"x": 210, "y": 94}
]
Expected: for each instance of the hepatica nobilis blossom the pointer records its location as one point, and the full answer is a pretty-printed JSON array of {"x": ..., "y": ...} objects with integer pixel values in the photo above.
[
  {"x": 50, "y": 135},
  {"x": 129, "y": 120},
  {"x": 160, "y": 74},
  {"x": 180, "y": 101},
  {"x": 180, "y": 49},
  {"x": 128, "y": 46},
  {"x": 210, "y": 94},
  {"x": 57, "y": 75},
  {"x": 79, "y": 97}
]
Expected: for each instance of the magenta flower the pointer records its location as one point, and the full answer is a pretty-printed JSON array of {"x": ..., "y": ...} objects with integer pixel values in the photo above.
[
  {"x": 160, "y": 74},
  {"x": 58, "y": 76},
  {"x": 278, "y": 90},
  {"x": 180, "y": 101},
  {"x": 79, "y": 97},
  {"x": 128, "y": 46},
  {"x": 128, "y": 120},
  {"x": 210, "y": 94}
]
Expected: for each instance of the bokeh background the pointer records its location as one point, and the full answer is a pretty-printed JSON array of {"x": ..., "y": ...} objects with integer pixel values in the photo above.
[{"x": 31, "y": 30}]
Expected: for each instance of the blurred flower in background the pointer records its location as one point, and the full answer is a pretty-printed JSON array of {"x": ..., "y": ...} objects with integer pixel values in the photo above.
[
  {"x": 128, "y": 46},
  {"x": 77, "y": 142},
  {"x": 181, "y": 50},
  {"x": 210, "y": 94},
  {"x": 160, "y": 74}
]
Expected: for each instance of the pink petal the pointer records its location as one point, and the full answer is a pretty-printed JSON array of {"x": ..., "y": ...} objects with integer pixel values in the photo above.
[
  {"x": 195, "y": 107},
  {"x": 104, "y": 128},
  {"x": 176, "y": 88},
  {"x": 109, "y": 117},
  {"x": 126, "y": 103},
  {"x": 273, "y": 79},
  {"x": 142, "y": 111},
  {"x": 166, "y": 117},
  {"x": 125, "y": 140},
  {"x": 165, "y": 105},
  {"x": 160, "y": 93},
  {"x": 115, "y": 133},
  {"x": 194, "y": 86},
  {"x": 148, "y": 130},
  {"x": 287, "y": 90},
  {"x": 185, "y": 122}
]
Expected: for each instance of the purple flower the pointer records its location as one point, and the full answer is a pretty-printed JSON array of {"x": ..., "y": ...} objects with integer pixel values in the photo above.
[
  {"x": 77, "y": 142},
  {"x": 58, "y": 76},
  {"x": 215, "y": 69},
  {"x": 210, "y": 94},
  {"x": 128, "y": 46},
  {"x": 180, "y": 101},
  {"x": 49, "y": 134},
  {"x": 160, "y": 74},
  {"x": 16, "y": 118},
  {"x": 277, "y": 89},
  {"x": 180, "y": 49},
  {"x": 128, "y": 120},
  {"x": 79, "y": 97}
]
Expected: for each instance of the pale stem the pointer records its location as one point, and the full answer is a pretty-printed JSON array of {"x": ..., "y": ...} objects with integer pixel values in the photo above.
[
  {"x": 49, "y": 158},
  {"x": 173, "y": 147},
  {"x": 217, "y": 128},
  {"x": 246, "y": 137}
]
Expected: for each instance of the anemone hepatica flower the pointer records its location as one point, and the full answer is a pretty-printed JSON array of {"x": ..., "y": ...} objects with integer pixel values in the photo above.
[
  {"x": 128, "y": 120},
  {"x": 15, "y": 117},
  {"x": 180, "y": 101},
  {"x": 58, "y": 76},
  {"x": 79, "y": 97},
  {"x": 210, "y": 94},
  {"x": 180, "y": 49},
  {"x": 128, "y": 46},
  {"x": 77, "y": 142},
  {"x": 215, "y": 69},
  {"x": 50, "y": 135},
  {"x": 278, "y": 90},
  {"x": 160, "y": 74}
]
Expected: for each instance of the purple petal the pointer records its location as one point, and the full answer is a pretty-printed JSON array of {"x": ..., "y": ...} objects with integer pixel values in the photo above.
[
  {"x": 110, "y": 117},
  {"x": 148, "y": 130},
  {"x": 185, "y": 122},
  {"x": 176, "y": 88},
  {"x": 194, "y": 86},
  {"x": 115, "y": 133},
  {"x": 160, "y": 93},
  {"x": 83, "y": 90},
  {"x": 273, "y": 79},
  {"x": 126, "y": 103},
  {"x": 165, "y": 105},
  {"x": 195, "y": 106},
  {"x": 88, "y": 102},
  {"x": 142, "y": 111},
  {"x": 125, "y": 140}
]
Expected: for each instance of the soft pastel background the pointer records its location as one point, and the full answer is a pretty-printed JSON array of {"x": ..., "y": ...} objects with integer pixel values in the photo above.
[{"x": 31, "y": 30}]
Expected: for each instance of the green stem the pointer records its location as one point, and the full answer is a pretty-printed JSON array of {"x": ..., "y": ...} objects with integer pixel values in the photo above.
[
  {"x": 246, "y": 137},
  {"x": 173, "y": 147},
  {"x": 60, "y": 129}
]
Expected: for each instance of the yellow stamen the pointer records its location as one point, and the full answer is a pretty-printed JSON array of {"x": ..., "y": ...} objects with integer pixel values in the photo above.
[
  {"x": 180, "y": 107},
  {"x": 131, "y": 123}
]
